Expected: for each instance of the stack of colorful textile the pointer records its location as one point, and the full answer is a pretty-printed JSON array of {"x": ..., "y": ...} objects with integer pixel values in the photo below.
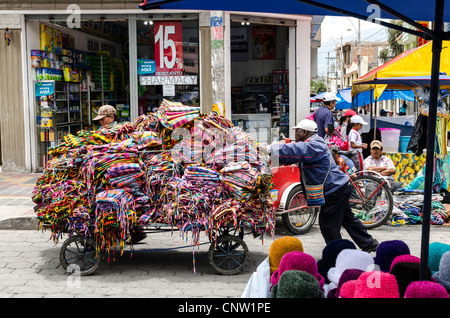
[{"x": 205, "y": 176}]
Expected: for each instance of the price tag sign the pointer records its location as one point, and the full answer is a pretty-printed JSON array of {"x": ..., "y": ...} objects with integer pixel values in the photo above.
[{"x": 168, "y": 48}]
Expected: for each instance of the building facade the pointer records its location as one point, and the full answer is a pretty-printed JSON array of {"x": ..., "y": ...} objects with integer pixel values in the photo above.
[{"x": 67, "y": 58}]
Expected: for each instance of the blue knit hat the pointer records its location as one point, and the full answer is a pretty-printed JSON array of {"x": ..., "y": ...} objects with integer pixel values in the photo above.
[
  {"x": 330, "y": 253},
  {"x": 387, "y": 251},
  {"x": 435, "y": 252}
]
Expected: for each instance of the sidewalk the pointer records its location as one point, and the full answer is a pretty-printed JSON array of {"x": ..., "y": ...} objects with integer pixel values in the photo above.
[{"x": 16, "y": 206}]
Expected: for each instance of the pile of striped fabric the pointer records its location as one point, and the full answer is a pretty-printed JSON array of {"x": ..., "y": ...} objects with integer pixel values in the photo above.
[{"x": 179, "y": 167}]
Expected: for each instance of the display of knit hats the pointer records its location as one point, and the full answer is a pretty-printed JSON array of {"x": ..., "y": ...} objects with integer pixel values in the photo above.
[
  {"x": 443, "y": 275},
  {"x": 329, "y": 254},
  {"x": 296, "y": 284},
  {"x": 347, "y": 275},
  {"x": 407, "y": 258},
  {"x": 376, "y": 284},
  {"x": 387, "y": 251},
  {"x": 349, "y": 259},
  {"x": 435, "y": 252},
  {"x": 281, "y": 246},
  {"x": 297, "y": 260},
  {"x": 425, "y": 289},
  {"x": 405, "y": 273}
]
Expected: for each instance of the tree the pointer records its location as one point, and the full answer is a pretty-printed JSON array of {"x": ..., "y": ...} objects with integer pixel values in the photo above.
[
  {"x": 318, "y": 85},
  {"x": 395, "y": 48}
]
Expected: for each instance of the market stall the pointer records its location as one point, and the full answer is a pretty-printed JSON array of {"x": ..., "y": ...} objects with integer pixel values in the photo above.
[{"x": 175, "y": 168}]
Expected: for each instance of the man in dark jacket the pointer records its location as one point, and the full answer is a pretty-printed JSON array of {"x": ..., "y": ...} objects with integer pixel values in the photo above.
[{"x": 316, "y": 164}]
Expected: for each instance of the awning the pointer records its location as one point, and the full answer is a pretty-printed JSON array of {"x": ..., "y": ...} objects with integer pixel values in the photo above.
[
  {"x": 411, "y": 65},
  {"x": 367, "y": 97},
  {"x": 418, "y": 10}
]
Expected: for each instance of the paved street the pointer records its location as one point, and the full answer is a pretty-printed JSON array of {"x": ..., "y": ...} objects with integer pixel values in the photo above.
[{"x": 30, "y": 267}]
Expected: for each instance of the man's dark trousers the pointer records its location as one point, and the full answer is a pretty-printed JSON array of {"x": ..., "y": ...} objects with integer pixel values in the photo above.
[{"x": 337, "y": 213}]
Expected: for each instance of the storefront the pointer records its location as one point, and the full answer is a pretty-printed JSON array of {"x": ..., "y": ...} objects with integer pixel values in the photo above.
[{"x": 253, "y": 69}]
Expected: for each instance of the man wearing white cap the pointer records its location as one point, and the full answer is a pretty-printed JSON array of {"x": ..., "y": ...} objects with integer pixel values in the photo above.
[
  {"x": 317, "y": 166},
  {"x": 323, "y": 115}
]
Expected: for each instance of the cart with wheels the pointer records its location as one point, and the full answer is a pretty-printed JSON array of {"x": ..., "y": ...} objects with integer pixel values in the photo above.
[
  {"x": 228, "y": 253},
  {"x": 99, "y": 186},
  {"x": 290, "y": 201}
]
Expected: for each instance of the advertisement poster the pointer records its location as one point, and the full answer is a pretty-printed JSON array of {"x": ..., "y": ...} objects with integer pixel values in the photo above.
[
  {"x": 168, "y": 48},
  {"x": 239, "y": 44},
  {"x": 146, "y": 66},
  {"x": 44, "y": 88},
  {"x": 263, "y": 42}
]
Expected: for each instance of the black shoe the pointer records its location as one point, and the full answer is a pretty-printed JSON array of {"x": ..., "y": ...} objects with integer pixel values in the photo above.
[{"x": 372, "y": 247}]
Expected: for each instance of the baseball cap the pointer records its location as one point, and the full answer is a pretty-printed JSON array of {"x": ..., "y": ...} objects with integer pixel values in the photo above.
[
  {"x": 306, "y": 124},
  {"x": 350, "y": 112},
  {"x": 376, "y": 144},
  {"x": 105, "y": 110},
  {"x": 329, "y": 96},
  {"x": 357, "y": 120}
]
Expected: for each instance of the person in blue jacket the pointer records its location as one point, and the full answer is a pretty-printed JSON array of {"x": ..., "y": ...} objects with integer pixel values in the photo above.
[{"x": 311, "y": 151}]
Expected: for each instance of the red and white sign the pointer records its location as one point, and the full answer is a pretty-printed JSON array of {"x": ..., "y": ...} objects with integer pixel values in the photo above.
[{"x": 168, "y": 48}]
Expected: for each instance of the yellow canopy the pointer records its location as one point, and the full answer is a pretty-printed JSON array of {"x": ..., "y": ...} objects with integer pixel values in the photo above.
[{"x": 415, "y": 62}]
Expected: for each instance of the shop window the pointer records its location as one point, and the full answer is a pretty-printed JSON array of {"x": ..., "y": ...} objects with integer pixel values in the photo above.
[{"x": 168, "y": 62}]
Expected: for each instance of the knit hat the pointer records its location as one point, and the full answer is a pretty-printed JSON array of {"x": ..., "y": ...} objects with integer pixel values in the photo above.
[
  {"x": 296, "y": 284},
  {"x": 376, "y": 284},
  {"x": 330, "y": 253},
  {"x": 407, "y": 258},
  {"x": 387, "y": 251},
  {"x": 349, "y": 259},
  {"x": 443, "y": 275},
  {"x": 435, "y": 252},
  {"x": 425, "y": 289},
  {"x": 405, "y": 273},
  {"x": 297, "y": 260},
  {"x": 347, "y": 289},
  {"x": 347, "y": 275},
  {"x": 281, "y": 246}
]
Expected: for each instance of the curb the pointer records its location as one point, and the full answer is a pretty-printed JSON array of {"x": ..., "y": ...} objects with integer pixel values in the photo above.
[{"x": 20, "y": 223}]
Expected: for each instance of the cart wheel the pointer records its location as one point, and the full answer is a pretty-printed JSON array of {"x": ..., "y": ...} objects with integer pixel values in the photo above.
[
  {"x": 78, "y": 255},
  {"x": 229, "y": 254}
]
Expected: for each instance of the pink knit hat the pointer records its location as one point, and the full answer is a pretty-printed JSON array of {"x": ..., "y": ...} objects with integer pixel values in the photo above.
[
  {"x": 376, "y": 284},
  {"x": 407, "y": 258},
  {"x": 425, "y": 289},
  {"x": 347, "y": 289},
  {"x": 297, "y": 260}
]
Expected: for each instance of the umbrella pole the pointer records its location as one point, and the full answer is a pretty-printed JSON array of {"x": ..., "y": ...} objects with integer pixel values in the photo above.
[
  {"x": 431, "y": 136},
  {"x": 371, "y": 110},
  {"x": 375, "y": 122}
]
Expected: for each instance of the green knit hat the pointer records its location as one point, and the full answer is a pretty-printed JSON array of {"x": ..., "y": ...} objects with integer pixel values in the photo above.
[{"x": 296, "y": 284}]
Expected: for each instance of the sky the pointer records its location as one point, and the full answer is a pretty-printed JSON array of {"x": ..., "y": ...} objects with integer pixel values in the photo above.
[{"x": 335, "y": 27}]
